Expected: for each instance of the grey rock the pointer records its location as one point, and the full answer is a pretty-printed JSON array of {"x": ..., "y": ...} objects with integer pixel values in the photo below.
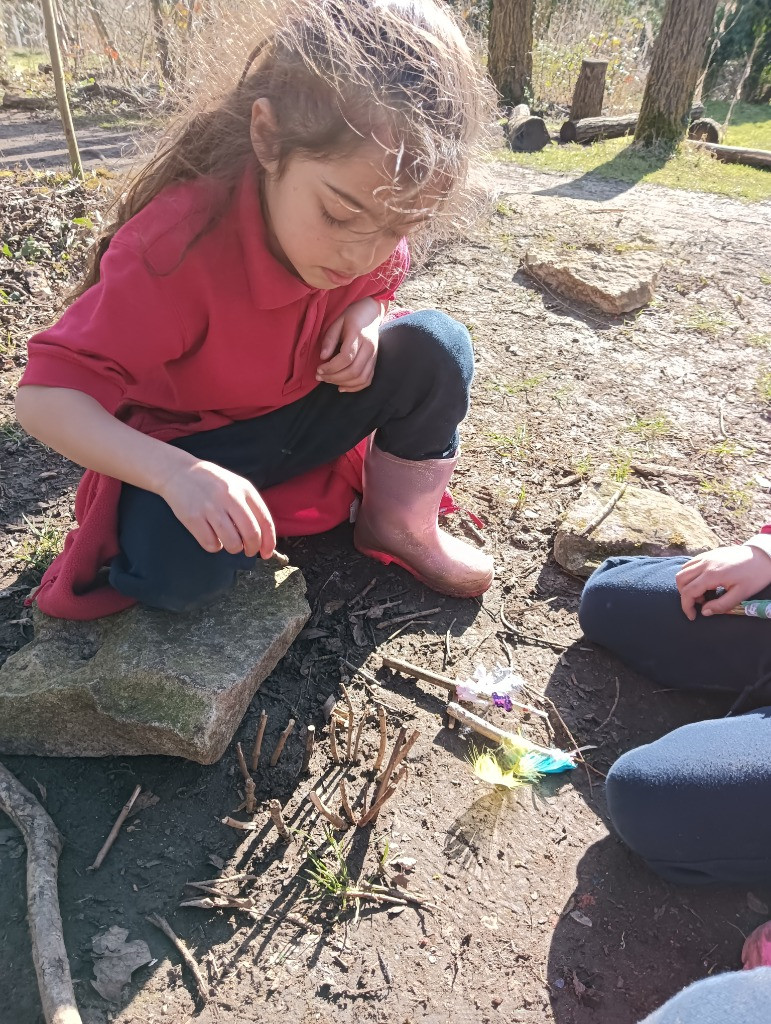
[
  {"x": 643, "y": 522},
  {"x": 147, "y": 681},
  {"x": 612, "y": 284}
]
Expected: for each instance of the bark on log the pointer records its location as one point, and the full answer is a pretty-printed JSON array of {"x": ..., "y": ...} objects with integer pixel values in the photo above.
[
  {"x": 526, "y": 133},
  {"x": 705, "y": 129},
  {"x": 592, "y": 129},
  {"x": 44, "y": 845},
  {"x": 760, "y": 158},
  {"x": 590, "y": 89}
]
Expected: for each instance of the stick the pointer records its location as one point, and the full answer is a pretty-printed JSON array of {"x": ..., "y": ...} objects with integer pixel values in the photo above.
[
  {"x": 357, "y": 740},
  {"x": 486, "y": 729},
  {"x": 250, "y": 802},
  {"x": 336, "y": 820},
  {"x": 278, "y": 819},
  {"x": 387, "y": 773},
  {"x": 403, "y": 751},
  {"x": 242, "y": 762},
  {"x": 184, "y": 952},
  {"x": 281, "y": 743},
  {"x": 615, "y": 702},
  {"x": 410, "y": 616},
  {"x": 258, "y": 740},
  {"x": 375, "y": 809},
  {"x": 49, "y": 953},
  {"x": 115, "y": 830},
  {"x": 49, "y": 20},
  {"x": 349, "y": 737},
  {"x": 383, "y": 739},
  {"x": 310, "y": 739},
  {"x": 408, "y": 669},
  {"x": 333, "y": 740},
  {"x": 243, "y": 826},
  {"x": 604, "y": 513},
  {"x": 280, "y": 559},
  {"x": 346, "y": 802}
]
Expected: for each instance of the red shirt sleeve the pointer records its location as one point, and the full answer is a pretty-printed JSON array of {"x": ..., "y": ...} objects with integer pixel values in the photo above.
[
  {"x": 389, "y": 276},
  {"x": 121, "y": 330}
]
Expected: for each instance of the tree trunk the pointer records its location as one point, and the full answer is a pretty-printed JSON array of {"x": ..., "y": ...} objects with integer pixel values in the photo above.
[
  {"x": 98, "y": 19},
  {"x": 589, "y": 90},
  {"x": 526, "y": 134},
  {"x": 678, "y": 56},
  {"x": 162, "y": 43},
  {"x": 510, "y": 49},
  {"x": 61, "y": 89},
  {"x": 592, "y": 129}
]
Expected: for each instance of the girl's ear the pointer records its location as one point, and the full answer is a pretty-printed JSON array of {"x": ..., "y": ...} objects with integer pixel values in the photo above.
[{"x": 263, "y": 134}]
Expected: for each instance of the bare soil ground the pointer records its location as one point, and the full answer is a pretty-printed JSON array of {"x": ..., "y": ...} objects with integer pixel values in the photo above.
[{"x": 558, "y": 390}]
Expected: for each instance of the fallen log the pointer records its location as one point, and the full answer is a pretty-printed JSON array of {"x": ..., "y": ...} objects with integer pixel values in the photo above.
[
  {"x": 760, "y": 158},
  {"x": 525, "y": 132},
  {"x": 592, "y": 129},
  {"x": 44, "y": 844},
  {"x": 705, "y": 129}
]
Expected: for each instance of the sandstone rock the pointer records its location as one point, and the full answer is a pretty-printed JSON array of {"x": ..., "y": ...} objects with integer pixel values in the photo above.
[
  {"x": 610, "y": 283},
  {"x": 147, "y": 681},
  {"x": 643, "y": 522}
]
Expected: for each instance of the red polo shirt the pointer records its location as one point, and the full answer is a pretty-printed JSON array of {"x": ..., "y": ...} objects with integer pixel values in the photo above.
[{"x": 185, "y": 333}]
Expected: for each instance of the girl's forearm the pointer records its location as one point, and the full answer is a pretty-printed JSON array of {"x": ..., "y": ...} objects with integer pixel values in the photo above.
[{"x": 78, "y": 427}]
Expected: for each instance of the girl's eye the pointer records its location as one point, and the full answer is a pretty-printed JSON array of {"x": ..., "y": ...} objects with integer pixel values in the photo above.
[{"x": 332, "y": 220}]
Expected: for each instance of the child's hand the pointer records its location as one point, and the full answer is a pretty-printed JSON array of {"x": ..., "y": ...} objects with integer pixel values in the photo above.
[
  {"x": 349, "y": 347},
  {"x": 221, "y": 510},
  {"x": 741, "y": 570}
]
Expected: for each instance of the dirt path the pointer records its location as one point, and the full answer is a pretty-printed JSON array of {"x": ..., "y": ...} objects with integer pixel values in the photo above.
[
  {"x": 40, "y": 144},
  {"x": 556, "y": 388}
]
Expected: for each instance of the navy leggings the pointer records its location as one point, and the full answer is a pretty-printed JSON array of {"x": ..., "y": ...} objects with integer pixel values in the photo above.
[
  {"x": 695, "y": 803},
  {"x": 417, "y": 397}
]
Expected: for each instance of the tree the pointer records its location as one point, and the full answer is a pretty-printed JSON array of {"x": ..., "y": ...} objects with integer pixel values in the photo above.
[
  {"x": 678, "y": 55},
  {"x": 510, "y": 49}
]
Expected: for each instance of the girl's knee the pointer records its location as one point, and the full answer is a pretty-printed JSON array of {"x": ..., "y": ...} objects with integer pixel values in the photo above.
[
  {"x": 627, "y": 593},
  {"x": 438, "y": 345}
]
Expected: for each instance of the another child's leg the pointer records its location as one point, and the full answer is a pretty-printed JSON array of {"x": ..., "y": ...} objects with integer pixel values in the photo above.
[
  {"x": 738, "y": 997},
  {"x": 693, "y": 804},
  {"x": 632, "y": 607},
  {"x": 419, "y": 394}
]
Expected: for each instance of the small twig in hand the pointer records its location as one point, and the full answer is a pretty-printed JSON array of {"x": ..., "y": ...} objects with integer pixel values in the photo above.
[
  {"x": 280, "y": 559},
  {"x": 357, "y": 741},
  {"x": 281, "y": 743},
  {"x": 310, "y": 739},
  {"x": 278, "y": 819},
  {"x": 115, "y": 830},
  {"x": 615, "y": 702},
  {"x": 346, "y": 802},
  {"x": 258, "y": 740},
  {"x": 184, "y": 952},
  {"x": 604, "y": 513},
  {"x": 383, "y": 738},
  {"x": 333, "y": 740},
  {"x": 317, "y": 802}
]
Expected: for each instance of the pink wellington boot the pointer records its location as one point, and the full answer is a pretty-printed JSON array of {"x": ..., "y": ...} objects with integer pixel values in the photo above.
[{"x": 397, "y": 522}]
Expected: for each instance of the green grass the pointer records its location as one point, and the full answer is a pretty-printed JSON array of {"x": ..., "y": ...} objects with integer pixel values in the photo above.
[
  {"x": 737, "y": 499},
  {"x": 764, "y": 386},
  {"x": 41, "y": 546},
  {"x": 750, "y": 124},
  {"x": 621, "y": 160},
  {"x": 648, "y": 428},
  {"x": 759, "y": 340},
  {"x": 27, "y": 60},
  {"x": 706, "y": 321}
]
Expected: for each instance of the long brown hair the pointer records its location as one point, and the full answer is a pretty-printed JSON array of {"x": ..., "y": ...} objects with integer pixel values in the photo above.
[{"x": 337, "y": 73}]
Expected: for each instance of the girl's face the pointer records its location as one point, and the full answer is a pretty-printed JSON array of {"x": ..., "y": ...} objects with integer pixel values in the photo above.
[{"x": 331, "y": 221}]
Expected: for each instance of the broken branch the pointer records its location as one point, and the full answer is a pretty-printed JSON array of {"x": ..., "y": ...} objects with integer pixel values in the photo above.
[
  {"x": 383, "y": 738},
  {"x": 604, "y": 513},
  {"x": 281, "y": 743},
  {"x": 184, "y": 952},
  {"x": 45, "y": 923},
  {"x": 258, "y": 740},
  {"x": 115, "y": 830},
  {"x": 346, "y": 802},
  {"x": 310, "y": 739},
  {"x": 278, "y": 819},
  {"x": 317, "y": 802},
  {"x": 408, "y": 669}
]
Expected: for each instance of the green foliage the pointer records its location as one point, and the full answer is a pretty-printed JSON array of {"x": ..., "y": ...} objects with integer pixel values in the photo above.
[
  {"x": 41, "y": 546},
  {"x": 764, "y": 386}
]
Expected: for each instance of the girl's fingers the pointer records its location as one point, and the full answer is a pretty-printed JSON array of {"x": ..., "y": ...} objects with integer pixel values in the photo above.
[
  {"x": 688, "y": 572},
  {"x": 331, "y": 339},
  {"x": 363, "y": 379},
  {"x": 249, "y": 530},
  {"x": 722, "y": 604},
  {"x": 206, "y": 536},
  {"x": 265, "y": 523},
  {"x": 360, "y": 369},
  {"x": 228, "y": 534},
  {"x": 692, "y": 592}
]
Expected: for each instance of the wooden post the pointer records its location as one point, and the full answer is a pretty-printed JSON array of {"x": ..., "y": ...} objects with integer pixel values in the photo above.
[
  {"x": 589, "y": 90},
  {"x": 61, "y": 88}
]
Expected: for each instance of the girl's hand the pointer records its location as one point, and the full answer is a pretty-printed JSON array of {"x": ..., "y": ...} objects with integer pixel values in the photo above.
[
  {"x": 741, "y": 570},
  {"x": 349, "y": 347},
  {"x": 220, "y": 509}
]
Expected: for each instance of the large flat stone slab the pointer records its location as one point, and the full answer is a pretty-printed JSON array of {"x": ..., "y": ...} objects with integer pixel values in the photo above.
[
  {"x": 147, "y": 681},
  {"x": 643, "y": 522},
  {"x": 612, "y": 284}
]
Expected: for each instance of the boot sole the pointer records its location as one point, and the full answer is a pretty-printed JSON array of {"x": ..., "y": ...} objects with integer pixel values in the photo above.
[{"x": 386, "y": 559}]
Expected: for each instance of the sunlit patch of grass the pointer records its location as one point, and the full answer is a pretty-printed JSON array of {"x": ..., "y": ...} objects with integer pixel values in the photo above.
[
  {"x": 765, "y": 278},
  {"x": 750, "y": 123},
  {"x": 621, "y": 467},
  {"x": 622, "y": 160},
  {"x": 648, "y": 428},
  {"x": 506, "y": 444},
  {"x": 759, "y": 340},
  {"x": 41, "y": 546},
  {"x": 728, "y": 449},
  {"x": 519, "y": 387},
  {"x": 706, "y": 321},
  {"x": 737, "y": 499},
  {"x": 764, "y": 386}
]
